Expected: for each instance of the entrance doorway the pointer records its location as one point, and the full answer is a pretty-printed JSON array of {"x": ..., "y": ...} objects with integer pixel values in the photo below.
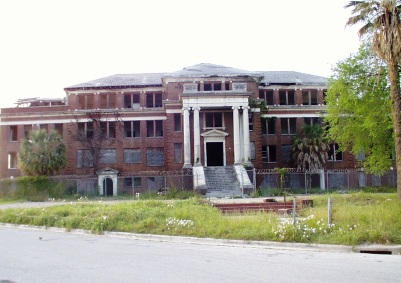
[
  {"x": 107, "y": 187},
  {"x": 215, "y": 153}
]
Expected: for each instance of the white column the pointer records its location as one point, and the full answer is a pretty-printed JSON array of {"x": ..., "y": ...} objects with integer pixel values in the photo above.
[
  {"x": 245, "y": 123},
  {"x": 187, "y": 139},
  {"x": 237, "y": 153},
  {"x": 197, "y": 151}
]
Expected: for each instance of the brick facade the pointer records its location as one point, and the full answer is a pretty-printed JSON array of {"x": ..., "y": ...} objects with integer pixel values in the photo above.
[{"x": 155, "y": 102}]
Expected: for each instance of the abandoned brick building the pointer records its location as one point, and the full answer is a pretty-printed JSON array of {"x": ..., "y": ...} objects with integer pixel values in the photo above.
[{"x": 200, "y": 117}]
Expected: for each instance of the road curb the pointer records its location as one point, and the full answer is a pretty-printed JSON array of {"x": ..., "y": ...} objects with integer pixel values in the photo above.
[{"x": 211, "y": 241}]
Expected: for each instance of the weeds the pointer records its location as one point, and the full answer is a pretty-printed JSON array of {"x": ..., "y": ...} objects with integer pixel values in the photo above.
[{"x": 357, "y": 218}]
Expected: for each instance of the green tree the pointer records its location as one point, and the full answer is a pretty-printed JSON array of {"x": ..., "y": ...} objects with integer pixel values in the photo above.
[
  {"x": 359, "y": 106},
  {"x": 43, "y": 154},
  {"x": 309, "y": 150},
  {"x": 381, "y": 20}
]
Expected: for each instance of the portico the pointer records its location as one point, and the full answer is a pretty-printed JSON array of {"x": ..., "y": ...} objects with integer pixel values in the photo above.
[{"x": 208, "y": 110}]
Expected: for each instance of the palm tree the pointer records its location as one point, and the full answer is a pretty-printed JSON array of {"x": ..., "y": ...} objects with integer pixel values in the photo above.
[
  {"x": 309, "y": 151},
  {"x": 43, "y": 154},
  {"x": 381, "y": 21}
]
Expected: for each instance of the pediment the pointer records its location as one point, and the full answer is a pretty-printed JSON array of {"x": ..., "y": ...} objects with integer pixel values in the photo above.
[
  {"x": 107, "y": 171},
  {"x": 214, "y": 133}
]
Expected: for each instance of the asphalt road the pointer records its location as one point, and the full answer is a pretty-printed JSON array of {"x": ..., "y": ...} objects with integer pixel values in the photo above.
[{"x": 39, "y": 255}]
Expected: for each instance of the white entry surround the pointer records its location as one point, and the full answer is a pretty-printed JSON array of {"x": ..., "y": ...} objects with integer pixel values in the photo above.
[
  {"x": 236, "y": 100},
  {"x": 107, "y": 173}
]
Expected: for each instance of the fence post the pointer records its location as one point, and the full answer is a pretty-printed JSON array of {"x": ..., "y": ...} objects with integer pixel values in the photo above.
[
  {"x": 329, "y": 210},
  {"x": 294, "y": 210}
]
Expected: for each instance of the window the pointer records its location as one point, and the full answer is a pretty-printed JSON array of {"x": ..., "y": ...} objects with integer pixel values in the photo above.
[
  {"x": 269, "y": 154},
  {"x": 85, "y": 101},
  {"x": 84, "y": 158},
  {"x": 250, "y": 121},
  {"x": 269, "y": 126},
  {"x": 44, "y": 127},
  {"x": 288, "y": 126},
  {"x": 227, "y": 85},
  {"x": 59, "y": 129},
  {"x": 13, "y": 133},
  {"x": 107, "y": 101},
  {"x": 132, "y": 129},
  {"x": 132, "y": 100},
  {"x": 155, "y": 156},
  {"x": 154, "y": 128},
  {"x": 85, "y": 130},
  {"x": 178, "y": 152},
  {"x": 212, "y": 86},
  {"x": 108, "y": 130},
  {"x": 108, "y": 156},
  {"x": 313, "y": 120},
  {"x": 177, "y": 122},
  {"x": 334, "y": 153},
  {"x": 287, "y": 97},
  {"x": 132, "y": 155},
  {"x": 27, "y": 130},
  {"x": 267, "y": 95},
  {"x": 12, "y": 160},
  {"x": 286, "y": 153},
  {"x": 309, "y": 97},
  {"x": 132, "y": 182},
  {"x": 213, "y": 119},
  {"x": 154, "y": 100}
]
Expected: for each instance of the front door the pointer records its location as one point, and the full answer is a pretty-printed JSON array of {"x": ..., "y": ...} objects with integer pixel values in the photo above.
[
  {"x": 215, "y": 154},
  {"x": 107, "y": 187}
]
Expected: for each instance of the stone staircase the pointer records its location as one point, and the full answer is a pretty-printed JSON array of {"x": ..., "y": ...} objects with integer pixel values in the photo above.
[{"x": 221, "y": 182}]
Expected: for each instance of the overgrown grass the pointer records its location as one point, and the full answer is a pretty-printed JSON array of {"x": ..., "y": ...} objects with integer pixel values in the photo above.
[{"x": 357, "y": 218}]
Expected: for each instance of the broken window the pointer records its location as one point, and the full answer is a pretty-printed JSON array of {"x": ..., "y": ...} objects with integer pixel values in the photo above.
[
  {"x": 85, "y": 130},
  {"x": 155, "y": 156},
  {"x": 335, "y": 154},
  {"x": 132, "y": 129},
  {"x": 287, "y": 97},
  {"x": 154, "y": 128},
  {"x": 108, "y": 130},
  {"x": 267, "y": 96},
  {"x": 213, "y": 119},
  {"x": 13, "y": 133},
  {"x": 132, "y": 155},
  {"x": 132, "y": 100},
  {"x": 269, "y": 154},
  {"x": 154, "y": 100},
  {"x": 288, "y": 126},
  {"x": 309, "y": 97}
]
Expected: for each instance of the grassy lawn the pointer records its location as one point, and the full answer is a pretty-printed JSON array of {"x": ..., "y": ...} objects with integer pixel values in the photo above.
[{"x": 357, "y": 218}]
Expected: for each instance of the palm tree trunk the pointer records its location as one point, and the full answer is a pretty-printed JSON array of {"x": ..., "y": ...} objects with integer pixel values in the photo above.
[{"x": 394, "y": 77}]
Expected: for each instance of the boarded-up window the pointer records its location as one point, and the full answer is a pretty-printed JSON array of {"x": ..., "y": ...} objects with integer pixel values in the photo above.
[
  {"x": 155, "y": 156},
  {"x": 286, "y": 153},
  {"x": 108, "y": 156},
  {"x": 178, "y": 152},
  {"x": 132, "y": 155},
  {"x": 84, "y": 158}
]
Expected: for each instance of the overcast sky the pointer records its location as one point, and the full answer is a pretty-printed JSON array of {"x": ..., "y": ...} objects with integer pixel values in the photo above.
[{"x": 47, "y": 45}]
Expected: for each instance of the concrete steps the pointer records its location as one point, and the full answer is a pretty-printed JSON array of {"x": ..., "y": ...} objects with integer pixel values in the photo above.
[{"x": 221, "y": 182}]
